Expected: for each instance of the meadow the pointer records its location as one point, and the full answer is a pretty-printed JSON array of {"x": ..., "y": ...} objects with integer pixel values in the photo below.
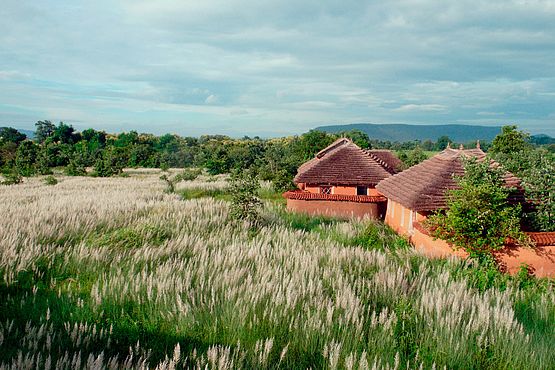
[{"x": 118, "y": 273}]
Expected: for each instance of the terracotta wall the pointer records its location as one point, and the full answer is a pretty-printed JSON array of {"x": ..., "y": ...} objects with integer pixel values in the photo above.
[
  {"x": 344, "y": 190},
  {"x": 399, "y": 218},
  {"x": 335, "y": 208},
  {"x": 312, "y": 188},
  {"x": 337, "y": 189},
  {"x": 540, "y": 259}
]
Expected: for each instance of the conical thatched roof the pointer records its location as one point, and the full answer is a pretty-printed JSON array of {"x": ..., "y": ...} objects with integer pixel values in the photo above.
[
  {"x": 345, "y": 163},
  {"x": 423, "y": 187}
]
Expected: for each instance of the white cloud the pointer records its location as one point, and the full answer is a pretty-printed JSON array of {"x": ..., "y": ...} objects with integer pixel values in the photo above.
[
  {"x": 421, "y": 108},
  {"x": 287, "y": 63},
  {"x": 211, "y": 99}
]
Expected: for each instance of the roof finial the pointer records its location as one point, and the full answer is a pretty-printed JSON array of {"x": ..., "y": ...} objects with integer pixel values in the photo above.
[
  {"x": 448, "y": 145},
  {"x": 477, "y": 144},
  {"x": 461, "y": 147}
]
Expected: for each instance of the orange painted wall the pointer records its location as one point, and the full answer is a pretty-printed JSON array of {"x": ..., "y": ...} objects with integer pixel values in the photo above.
[
  {"x": 540, "y": 259},
  {"x": 335, "y": 208},
  {"x": 374, "y": 192},
  {"x": 344, "y": 190},
  {"x": 312, "y": 188},
  {"x": 399, "y": 218},
  {"x": 338, "y": 189}
]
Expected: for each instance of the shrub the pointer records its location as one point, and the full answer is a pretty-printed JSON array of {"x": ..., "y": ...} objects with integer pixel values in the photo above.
[
  {"x": 50, "y": 180},
  {"x": 188, "y": 174},
  {"x": 170, "y": 184},
  {"x": 11, "y": 178},
  {"x": 74, "y": 168},
  {"x": 245, "y": 204},
  {"x": 283, "y": 181},
  {"x": 110, "y": 163}
]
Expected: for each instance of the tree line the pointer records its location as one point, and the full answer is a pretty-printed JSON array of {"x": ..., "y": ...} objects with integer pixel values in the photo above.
[
  {"x": 61, "y": 146},
  {"x": 276, "y": 159}
]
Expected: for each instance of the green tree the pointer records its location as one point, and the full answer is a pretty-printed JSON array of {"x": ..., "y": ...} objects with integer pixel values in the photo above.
[
  {"x": 245, "y": 204},
  {"x": 65, "y": 134},
  {"x": 26, "y": 157},
  {"x": 44, "y": 130},
  {"x": 110, "y": 163},
  {"x": 358, "y": 137},
  {"x": 510, "y": 140},
  {"x": 478, "y": 217},
  {"x": 311, "y": 143},
  {"x": 11, "y": 135},
  {"x": 539, "y": 183},
  {"x": 442, "y": 142},
  {"x": 413, "y": 157}
]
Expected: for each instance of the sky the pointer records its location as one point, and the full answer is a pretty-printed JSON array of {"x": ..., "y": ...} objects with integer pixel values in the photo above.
[{"x": 275, "y": 68}]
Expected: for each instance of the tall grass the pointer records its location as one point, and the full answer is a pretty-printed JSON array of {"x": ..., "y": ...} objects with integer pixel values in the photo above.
[{"x": 115, "y": 273}]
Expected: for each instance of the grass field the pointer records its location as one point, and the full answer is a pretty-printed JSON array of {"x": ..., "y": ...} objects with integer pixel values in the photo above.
[{"x": 117, "y": 273}]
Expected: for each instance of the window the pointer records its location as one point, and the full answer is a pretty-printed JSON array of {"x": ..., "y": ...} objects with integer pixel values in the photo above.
[
  {"x": 362, "y": 190},
  {"x": 325, "y": 189}
]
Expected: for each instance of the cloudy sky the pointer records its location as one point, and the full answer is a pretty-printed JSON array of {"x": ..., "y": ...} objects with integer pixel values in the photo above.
[{"x": 257, "y": 67}]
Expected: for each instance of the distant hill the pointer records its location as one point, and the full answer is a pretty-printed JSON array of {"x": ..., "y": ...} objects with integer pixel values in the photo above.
[
  {"x": 30, "y": 134},
  {"x": 542, "y": 139},
  {"x": 402, "y": 132}
]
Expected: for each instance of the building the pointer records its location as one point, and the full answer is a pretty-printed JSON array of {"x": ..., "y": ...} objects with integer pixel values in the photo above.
[
  {"x": 341, "y": 181},
  {"x": 422, "y": 189},
  {"x": 415, "y": 193}
]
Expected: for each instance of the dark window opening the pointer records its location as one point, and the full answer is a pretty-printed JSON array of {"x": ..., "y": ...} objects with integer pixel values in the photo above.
[{"x": 362, "y": 190}]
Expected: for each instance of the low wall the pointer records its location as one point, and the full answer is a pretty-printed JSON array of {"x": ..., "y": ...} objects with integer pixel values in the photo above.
[
  {"x": 540, "y": 259},
  {"x": 337, "y": 208}
]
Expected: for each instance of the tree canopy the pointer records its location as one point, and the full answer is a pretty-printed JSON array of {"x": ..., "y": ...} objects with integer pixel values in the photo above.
[{"x": 478, "y": 217}]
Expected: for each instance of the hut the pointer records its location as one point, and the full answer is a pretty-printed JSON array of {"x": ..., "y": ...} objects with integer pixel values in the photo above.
[
  {"x": 420, "y": 190},
  {"x": 341, "y": 181}
]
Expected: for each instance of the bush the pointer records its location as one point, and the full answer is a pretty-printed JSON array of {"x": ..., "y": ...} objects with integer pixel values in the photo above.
[
  {"x": 74, "y": 168},
  {"x": 50, "y": 180},
  {"x": 245, "y": 204},
  {"x": 170, "y": 184},
  {"x": 188, "y": 174},
  {"x": 11, "y": 178},
  {"x": 283, "y": 181},
  {"x": 111, "y": 163}
]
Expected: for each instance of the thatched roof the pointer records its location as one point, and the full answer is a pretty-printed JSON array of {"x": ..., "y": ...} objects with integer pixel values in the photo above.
[
  {"x": 345, "y": 163},
  {"x": 423, "y": 187}
]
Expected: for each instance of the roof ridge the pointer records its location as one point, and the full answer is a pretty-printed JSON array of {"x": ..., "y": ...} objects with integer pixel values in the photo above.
[{"x": 336, "y": 144}]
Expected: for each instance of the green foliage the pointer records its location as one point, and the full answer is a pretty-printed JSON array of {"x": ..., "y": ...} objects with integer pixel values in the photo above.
[
  {"x": 43, "y": 164},
  {"x": 76, "y": 166},
  {"x": 170, "y": 183},
  {"x": 50, "y": 180},
  {"x": 282, "y": 181},
  {"x": 312, "y": 142},
  {"x": 358, "y": 137},
  {"x": 442, "y": 143},
  {"x": 25, "y": 158},
  {"x": 110, "y": 163},
  {"x": 478, "y": 217},
  {"x": 44, "y": 130},
  {"x": 413, "y": 157},
  {"x": 188, "y": 174},
  {"x": 245, "y": 204},
  {"x": 510, "y": 140},
  {"x": 11, "y": 178},
  {"x": 11, "y": 135},
  {"x": 536, "y": 169}
]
